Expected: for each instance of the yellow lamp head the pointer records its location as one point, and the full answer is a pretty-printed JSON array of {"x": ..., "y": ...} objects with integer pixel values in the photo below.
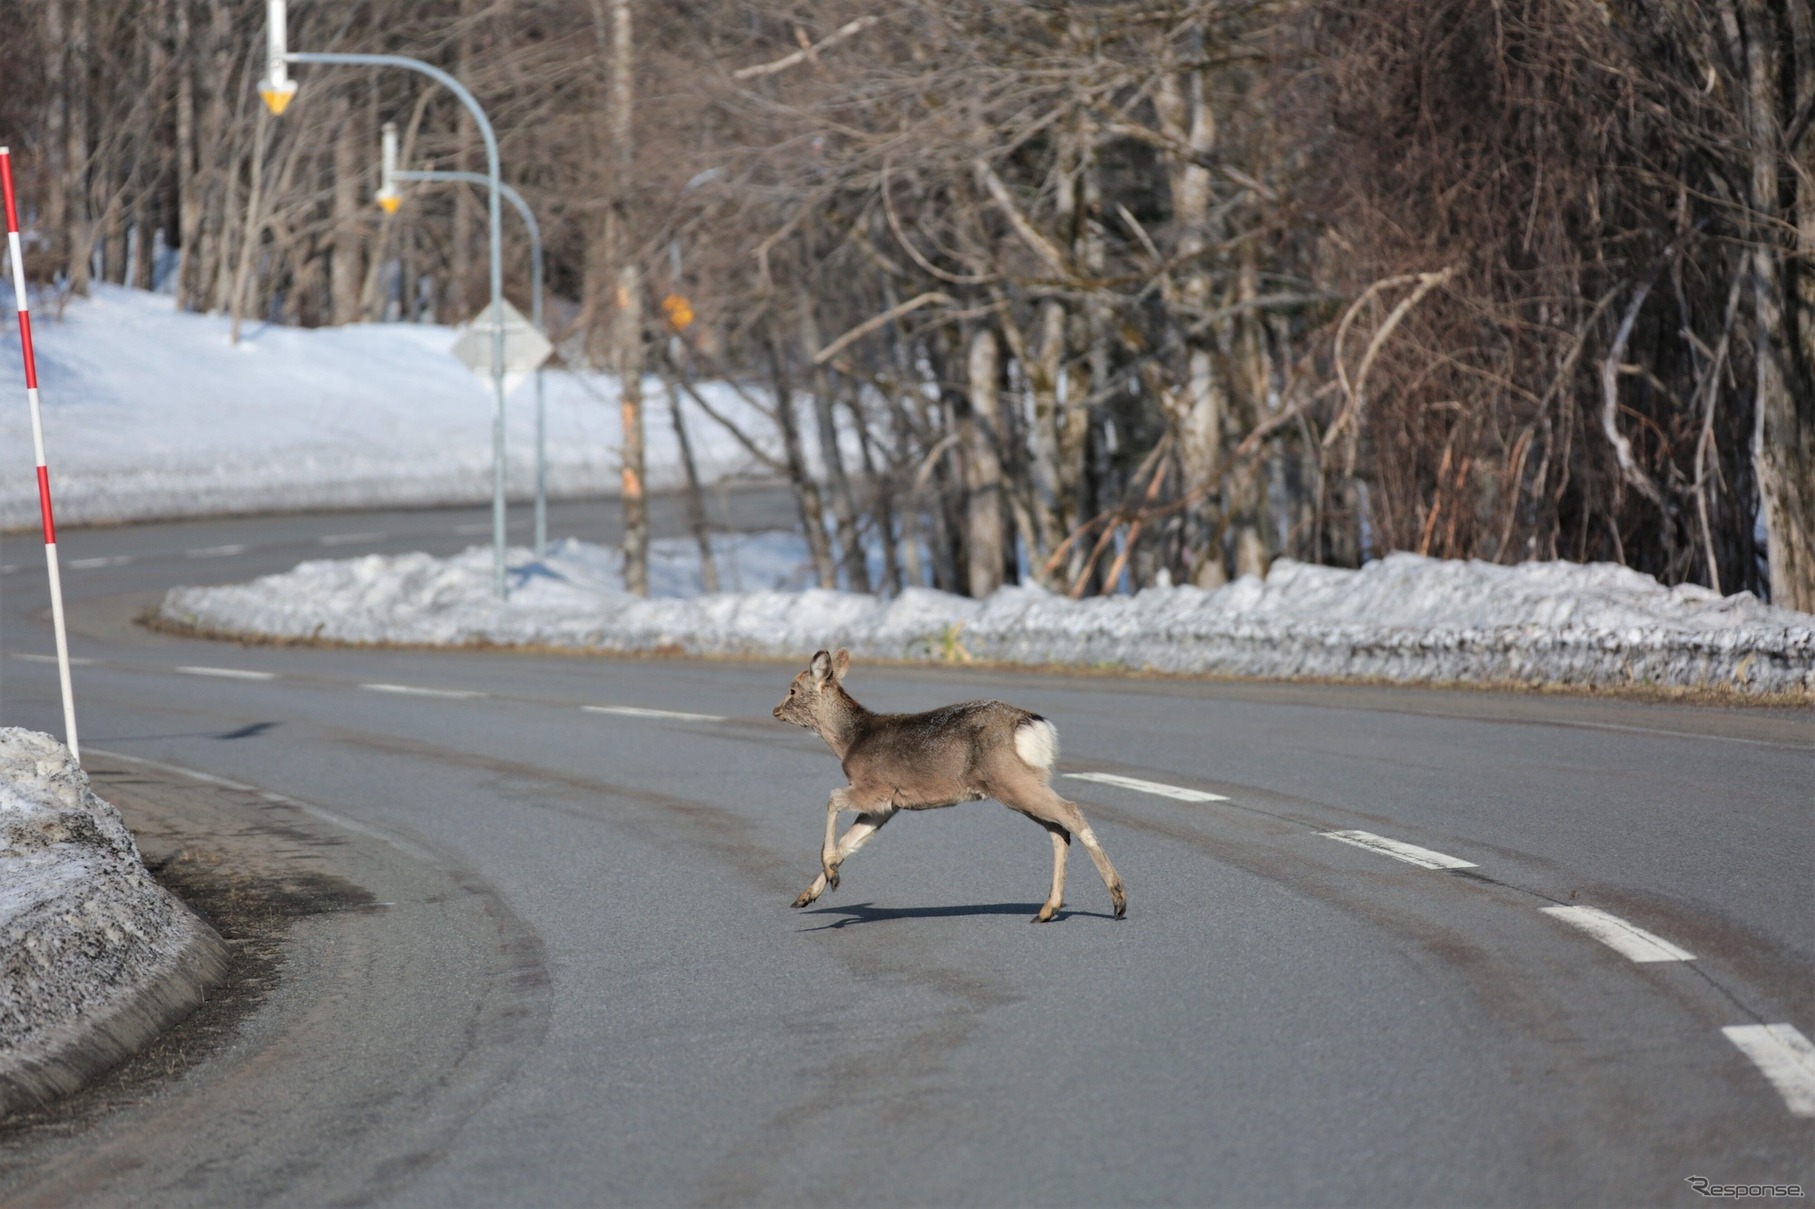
[{"x": 278, "y": 96}]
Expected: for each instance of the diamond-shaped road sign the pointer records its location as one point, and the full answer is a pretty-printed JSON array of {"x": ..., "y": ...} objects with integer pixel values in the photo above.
[{"x": 524, "y": 347}]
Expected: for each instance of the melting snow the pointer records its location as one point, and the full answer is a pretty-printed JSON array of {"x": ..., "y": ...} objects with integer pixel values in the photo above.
[{"x": 1402, "y": 618}]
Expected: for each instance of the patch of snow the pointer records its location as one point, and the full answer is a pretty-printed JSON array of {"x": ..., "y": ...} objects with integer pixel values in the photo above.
[
  {"x": 150, "y": 412},
  {"x": 85, "y": 933},
  {"x": 1401, "y": 618}
]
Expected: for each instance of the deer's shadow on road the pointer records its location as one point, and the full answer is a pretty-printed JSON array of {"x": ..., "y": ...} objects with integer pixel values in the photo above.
[{"x": 869, "y": 913}]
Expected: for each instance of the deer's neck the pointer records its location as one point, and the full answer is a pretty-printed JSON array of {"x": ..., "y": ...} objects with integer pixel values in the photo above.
[{"x": 841, "y": 720}]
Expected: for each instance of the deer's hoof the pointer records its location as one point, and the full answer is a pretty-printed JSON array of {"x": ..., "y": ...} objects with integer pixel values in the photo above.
[
  {"x": 1046, "y": 915},
  {"x": 806, "y": 897},
  {"x": 1121, "y": 908},
  {"x": 832, "y": 878}
]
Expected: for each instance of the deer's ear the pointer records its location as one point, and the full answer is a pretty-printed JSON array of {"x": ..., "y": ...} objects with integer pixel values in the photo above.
[
  {"x": 821, "y": 667},
  {"x": 841, "y": 663}
]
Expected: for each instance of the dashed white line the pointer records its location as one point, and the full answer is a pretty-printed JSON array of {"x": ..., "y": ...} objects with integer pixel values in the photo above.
[
  {"x": 52, "y": 659},
  {"x": 413, "y": 691},
  {"x": 1157, "y": 788},
  {"x": 1629, "y": 940},
  {"x": 86, "y": 564},
  {"x": 471, "y": 530},
  {"x": 631, "y": 711},
  {"x": 215, "y": 551},
  {"x": 227, "y": 673},
  {"x": 347, "y": 539},
  {"x": 1424, "y": 858},
  {"x": 1785, "y": 1057}
]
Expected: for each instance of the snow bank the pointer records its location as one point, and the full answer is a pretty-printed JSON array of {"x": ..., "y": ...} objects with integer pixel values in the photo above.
[
  {"x": 95, "y": 956},
  {"x": 1403, "y": 618},
  {"x": 151, "y": 413}
]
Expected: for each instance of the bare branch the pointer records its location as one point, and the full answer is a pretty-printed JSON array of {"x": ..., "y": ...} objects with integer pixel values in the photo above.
[{"x": 849, "y": 29}]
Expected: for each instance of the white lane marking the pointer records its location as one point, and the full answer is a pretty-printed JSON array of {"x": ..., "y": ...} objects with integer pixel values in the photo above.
[
  {"x": 1629, "y": 940},
  {"x": 53, "y": 659},
  {"x": 85, "y": 564},
  {"x": 215, "y": 551},
  {"x": 631, "y": 711},
  {"x": 223, "y": 782},
  {"x": 227, "y": 673},
  {"x": 347, "y": 539},
  {"x": 1785, "y": 1057},
  {"x": 413, "y": 691},
  {"x": 1154, "y": 787},
  {"x": 1424, "y": 858},
  {"x": 1678, "y": 734},
  {"x": 320, "y": 812}
]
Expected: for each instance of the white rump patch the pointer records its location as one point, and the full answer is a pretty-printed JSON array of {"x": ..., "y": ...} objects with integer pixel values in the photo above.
[{"x": 1037, "y": 742}]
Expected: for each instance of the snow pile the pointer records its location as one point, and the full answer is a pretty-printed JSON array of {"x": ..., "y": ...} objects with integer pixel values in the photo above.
[
  {"x": 149, "y": 412},
  {"x": 95, "y": 956},
  {"x": 1403, "y": 618}
]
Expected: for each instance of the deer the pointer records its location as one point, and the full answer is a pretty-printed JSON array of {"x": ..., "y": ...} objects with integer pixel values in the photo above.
[{"x": 958, "y": 753}]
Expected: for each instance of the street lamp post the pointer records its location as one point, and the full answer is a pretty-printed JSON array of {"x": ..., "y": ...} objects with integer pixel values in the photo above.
[
  {"x": 278, "y": 90},
  {"x": 389, "y": 197}
]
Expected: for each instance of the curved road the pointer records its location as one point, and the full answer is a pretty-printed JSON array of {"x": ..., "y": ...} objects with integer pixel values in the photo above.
[{"x": 573, "y": 977}]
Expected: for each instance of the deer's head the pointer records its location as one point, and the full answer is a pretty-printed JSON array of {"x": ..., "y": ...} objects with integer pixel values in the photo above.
[{"x": 815, "y": 698}]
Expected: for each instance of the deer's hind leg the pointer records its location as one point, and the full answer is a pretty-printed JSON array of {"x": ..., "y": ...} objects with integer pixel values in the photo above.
[
  {"x": 1061, "y": 848},
  {"x": 1040, "y": 802}
]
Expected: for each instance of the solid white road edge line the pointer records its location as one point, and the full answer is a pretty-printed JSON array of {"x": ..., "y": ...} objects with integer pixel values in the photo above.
[
  {"x": 230, "y": 673},
  {"x": 191, "y": 773},
  {"x": 413, "y": 691},
  {"x": 1785, "y": 1057},
  {"x": 1424, "y": 858},
  {"x": 1629, "y": 940},
  {"x": 631, "y": 711},
  {"x": 321, "y": 812},
  {"x": 1157, "y": 788}
]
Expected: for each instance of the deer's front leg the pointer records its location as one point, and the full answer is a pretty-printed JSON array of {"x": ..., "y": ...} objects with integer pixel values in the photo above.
[{"x": 828, "y": 852}]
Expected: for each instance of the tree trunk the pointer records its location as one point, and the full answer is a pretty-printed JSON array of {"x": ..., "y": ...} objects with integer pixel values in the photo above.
[
  {"x": 627, "y": 326},
  {"x": 980, "y": 437},
  {"x": 1784, "y": 444},
  {"x": 1200, "y": 413},
  {"x": 838, "y": 483},
  {"x": 696, "y": 497},
  {"x": 806, "y": 491},
  {"x": 457, "y": 297},
  {"x": 881, "y": 493},
  {"x": 248, "y": 244},
  {"x": 188, "y": 187},
  {"x": 346, "y": 271}
]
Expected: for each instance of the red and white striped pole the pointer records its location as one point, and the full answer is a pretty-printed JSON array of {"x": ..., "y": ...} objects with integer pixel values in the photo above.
[{"x": 31, "y": 394}]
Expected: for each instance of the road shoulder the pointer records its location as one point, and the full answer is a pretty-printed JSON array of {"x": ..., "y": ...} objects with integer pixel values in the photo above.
[{"x": 376, "y": 996}]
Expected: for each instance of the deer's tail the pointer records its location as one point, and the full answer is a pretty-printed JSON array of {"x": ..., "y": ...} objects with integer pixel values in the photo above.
[{"x": 1037, "y": 742}]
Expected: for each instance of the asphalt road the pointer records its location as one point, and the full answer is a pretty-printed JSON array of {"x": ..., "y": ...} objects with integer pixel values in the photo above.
[{"x": 574, "y": 978}]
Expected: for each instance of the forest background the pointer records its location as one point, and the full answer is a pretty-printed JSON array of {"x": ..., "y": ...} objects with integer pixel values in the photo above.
[{"x": 1111, "y": 293}]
